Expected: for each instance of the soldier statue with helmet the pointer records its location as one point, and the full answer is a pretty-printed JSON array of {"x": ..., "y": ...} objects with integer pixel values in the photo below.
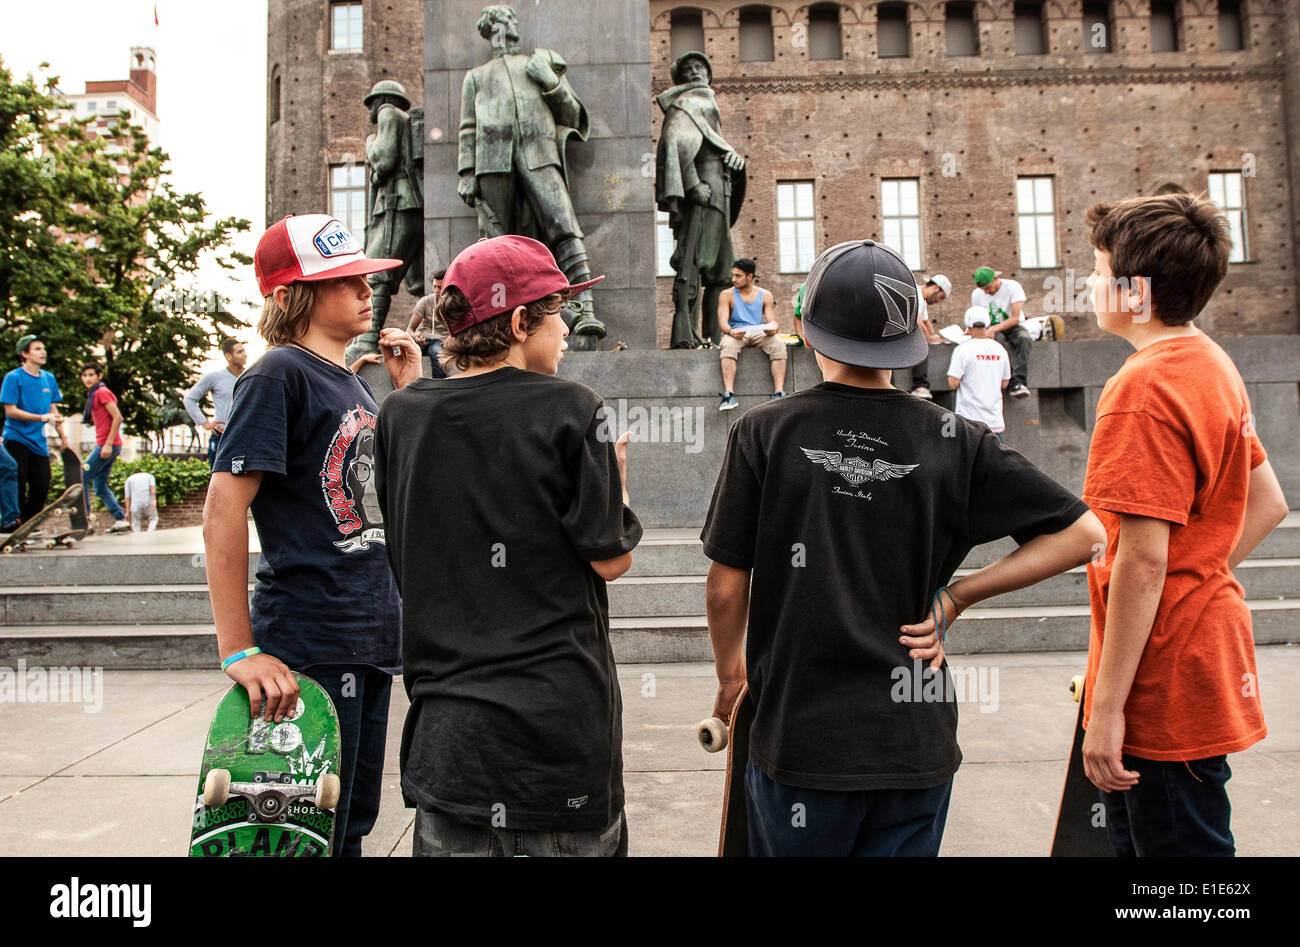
[{"x": 395, "y": 157}]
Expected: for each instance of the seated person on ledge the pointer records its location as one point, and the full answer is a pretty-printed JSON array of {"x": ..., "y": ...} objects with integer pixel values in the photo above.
[{"x": 745, "y": 314}]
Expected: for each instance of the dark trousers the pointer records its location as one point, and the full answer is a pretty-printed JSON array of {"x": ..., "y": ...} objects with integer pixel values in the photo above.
[
  {"x": 873, "y": 823},
  {"x": 1017, "y": 342},
  {"x": 361, "y": 696},
  {"x": 921, "y": 374},
  {"x": 33, "y": 478},
  {"x": 1177, "y": 808}
]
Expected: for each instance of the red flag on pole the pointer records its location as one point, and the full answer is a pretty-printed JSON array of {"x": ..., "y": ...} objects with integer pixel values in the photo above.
[{"x": 155, "y": 14}]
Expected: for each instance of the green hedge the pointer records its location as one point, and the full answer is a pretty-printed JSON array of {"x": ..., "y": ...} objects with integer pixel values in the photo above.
[{"x": 177, "y": 479}]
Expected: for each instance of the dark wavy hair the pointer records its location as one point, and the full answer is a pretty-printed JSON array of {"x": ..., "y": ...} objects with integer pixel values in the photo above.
[{"x": 487, "y": 343}]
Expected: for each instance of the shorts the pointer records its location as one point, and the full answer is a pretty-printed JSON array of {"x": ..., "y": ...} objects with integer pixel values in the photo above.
[{"x": 771, "y": 345}]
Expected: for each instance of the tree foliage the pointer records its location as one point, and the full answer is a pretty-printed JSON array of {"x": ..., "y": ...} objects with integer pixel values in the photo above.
[{"x": 99, "y": 252}]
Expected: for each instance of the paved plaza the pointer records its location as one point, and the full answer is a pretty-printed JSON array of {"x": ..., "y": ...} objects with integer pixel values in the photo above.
[{"x": 121, "y": 781}]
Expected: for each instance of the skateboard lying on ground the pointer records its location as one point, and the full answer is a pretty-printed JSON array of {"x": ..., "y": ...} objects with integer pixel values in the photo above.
[
  {"x": 733, "y": 837},
  {"x": 25, "y": 536},
  {"x": 1080, "y": 822},
  {"x": 1045, "y": 328},
  {"x": 268, "y": 788}
]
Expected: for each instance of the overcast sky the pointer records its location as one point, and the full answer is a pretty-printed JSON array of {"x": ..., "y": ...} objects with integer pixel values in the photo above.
[{"x": 211, "y": 96}]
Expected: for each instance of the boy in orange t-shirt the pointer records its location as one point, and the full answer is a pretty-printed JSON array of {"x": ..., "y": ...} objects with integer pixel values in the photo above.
[{"x": 1181, "y": 482}]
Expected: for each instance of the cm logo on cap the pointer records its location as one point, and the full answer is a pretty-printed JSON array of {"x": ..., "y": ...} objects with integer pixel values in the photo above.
[{"x": 335, "y": 240}]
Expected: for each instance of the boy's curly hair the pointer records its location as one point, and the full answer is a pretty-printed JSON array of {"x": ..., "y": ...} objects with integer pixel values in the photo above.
[
  {"x": 486, "y": 343},
  {"x": 1179, "y": 242}
]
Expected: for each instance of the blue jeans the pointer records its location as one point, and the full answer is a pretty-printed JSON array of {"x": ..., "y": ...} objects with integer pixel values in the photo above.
[
  {"x": 361, "y": 696},
  {"x": 8, "y": 488},
  {"x": 1177, "y": 808},
  {"x": 432, "y": 348},
  {"x": 98, "y": 476},
  {"x": 872, "y": 823},
  {"x": 440, "y": 836}
]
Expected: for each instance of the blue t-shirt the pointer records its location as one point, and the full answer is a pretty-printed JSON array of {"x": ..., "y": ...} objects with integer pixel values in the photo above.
[
  {"x": 34, "y": 393},
  {"x": 324, "y": 593}
]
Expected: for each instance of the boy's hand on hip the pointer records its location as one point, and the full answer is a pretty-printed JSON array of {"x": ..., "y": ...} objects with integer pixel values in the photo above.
[
  {"x": 263, "y": 674},
  {"x": 1103, "y": 748}
]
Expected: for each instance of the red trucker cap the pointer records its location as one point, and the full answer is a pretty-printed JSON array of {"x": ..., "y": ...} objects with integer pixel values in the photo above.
[
  {"x": 310, "y": 247},
  {"x": 500, "y": 274}
]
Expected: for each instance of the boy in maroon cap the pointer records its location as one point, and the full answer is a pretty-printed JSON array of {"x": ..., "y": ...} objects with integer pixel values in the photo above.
[
  {"x": 513, "y": 744},
  {"x": 298, "y": 450}
]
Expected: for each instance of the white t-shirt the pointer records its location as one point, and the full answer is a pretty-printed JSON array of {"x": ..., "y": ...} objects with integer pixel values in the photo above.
[
  {"x": 999, "y": 304},
  {"x": 982, "y": 365},
  {"x": 136, "y": 488}
]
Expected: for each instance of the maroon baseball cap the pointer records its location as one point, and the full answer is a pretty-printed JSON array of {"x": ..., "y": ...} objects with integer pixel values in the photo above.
[
  {"x": 500, "y": 274},
  {"x": 309, "y": 248}
]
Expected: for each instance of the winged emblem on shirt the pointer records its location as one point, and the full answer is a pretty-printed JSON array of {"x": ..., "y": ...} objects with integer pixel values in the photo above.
[{"x": 856, "y": 470}]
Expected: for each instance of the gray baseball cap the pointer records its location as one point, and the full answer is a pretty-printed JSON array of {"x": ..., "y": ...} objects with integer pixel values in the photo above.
[{"x": 861, "y": 305}]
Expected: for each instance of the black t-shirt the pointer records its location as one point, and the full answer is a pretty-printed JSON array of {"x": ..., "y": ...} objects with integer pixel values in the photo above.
[
  {"x": 324, "y": 592},
  {"x": 852, "y": 506},
  {"x": 499, "y": 490}
]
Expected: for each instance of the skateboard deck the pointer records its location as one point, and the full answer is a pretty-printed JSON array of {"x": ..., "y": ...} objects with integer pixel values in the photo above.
[
  {"x": 1045, "y": 328},
  {"x": 733, "y": 835},
  {"x": 266, "y": 788},
  {"x": 24, "y": 536},
  {"x": 1080, "y": 822},
  {"x": 79, "y": 514}
]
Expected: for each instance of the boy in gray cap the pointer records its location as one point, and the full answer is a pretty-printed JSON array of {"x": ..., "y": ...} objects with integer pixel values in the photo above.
[{"x": 880, "y": 495}]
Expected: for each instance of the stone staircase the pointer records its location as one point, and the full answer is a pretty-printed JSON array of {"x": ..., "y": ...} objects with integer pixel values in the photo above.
[{"x": 141, "y": 602}]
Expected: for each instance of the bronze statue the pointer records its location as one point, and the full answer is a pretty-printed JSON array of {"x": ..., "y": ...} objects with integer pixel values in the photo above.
[
  {"x": 517, "y": 114},
  {"x": 700, "y": 183},
  {"x": 395, "y": 156}
]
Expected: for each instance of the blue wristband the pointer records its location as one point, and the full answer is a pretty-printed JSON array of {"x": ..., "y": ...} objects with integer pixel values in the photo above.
[{"x": 239, "y": 655}]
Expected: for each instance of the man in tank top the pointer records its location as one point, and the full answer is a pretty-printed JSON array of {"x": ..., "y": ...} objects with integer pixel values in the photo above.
[{"x": 745, "y": 314}]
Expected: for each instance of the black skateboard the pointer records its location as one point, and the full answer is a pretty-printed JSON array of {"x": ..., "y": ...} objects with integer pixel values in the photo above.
[
  {"x": 78, "y": 513},
  {"x": 733, "y": 835},
  {"x": 1081, "y": 820}
]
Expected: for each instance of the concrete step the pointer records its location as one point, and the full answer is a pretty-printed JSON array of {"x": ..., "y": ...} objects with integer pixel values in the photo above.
[
  {"x": 629, "y": 597},
  {"x": 87, "y": 566},
  {"x": 662, "y": 553},
  {"x": 635, "y": 640}
]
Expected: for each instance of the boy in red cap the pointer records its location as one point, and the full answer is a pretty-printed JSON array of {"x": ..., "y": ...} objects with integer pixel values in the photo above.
[
  {"x": 299, "y": 450},
  {"x": 513, "y": 743},
  {"x": 1181, "y": 482}
]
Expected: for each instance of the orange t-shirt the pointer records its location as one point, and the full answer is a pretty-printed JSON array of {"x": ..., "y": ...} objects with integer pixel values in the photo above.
[{"x": 1175, "y": 441}]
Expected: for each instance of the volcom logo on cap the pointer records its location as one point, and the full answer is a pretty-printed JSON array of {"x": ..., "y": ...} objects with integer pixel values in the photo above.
[
  {"x": 334, "y": 240},
  {"x": 897, "y": 322}
]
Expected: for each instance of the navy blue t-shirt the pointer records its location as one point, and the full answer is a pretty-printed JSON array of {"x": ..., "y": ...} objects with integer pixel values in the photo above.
[{"x": 324, "y": 594}]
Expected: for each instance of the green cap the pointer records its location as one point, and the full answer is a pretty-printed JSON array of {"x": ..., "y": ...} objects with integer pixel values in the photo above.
[
  {"x": 24, "y": 342},
  {"x": 984, "y": 275}
]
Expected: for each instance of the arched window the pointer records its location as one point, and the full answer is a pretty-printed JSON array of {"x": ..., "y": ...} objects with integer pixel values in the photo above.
[
  {"x": 824, "y": 40},
  {"x": 1164, "y": 26},
  {"x": 685, "y": 32},
  {"x": 756, "y": 34},
  {"x": 274, "y": 108},
  {"x": 1096, "y": 27},
  {"x": 960, "y": 35},
  {"x": 1232, "y": 32},
  {"x": 1031, "y": 29},
  {"x": 892, "y": 39}
]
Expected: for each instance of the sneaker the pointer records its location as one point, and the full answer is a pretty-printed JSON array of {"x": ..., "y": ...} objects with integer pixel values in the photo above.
[
  {"x": 728, "y": 401},
  {"x": 121, "y": 526},
  {"x": 923, "y": 393},
  {"x": 11, "y": 527},
  {"x": 1019, "y": 391},
  {"x": 776, "y": 394}
]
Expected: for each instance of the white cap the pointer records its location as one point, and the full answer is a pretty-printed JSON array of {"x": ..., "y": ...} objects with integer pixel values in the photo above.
[
  {"x": 945, "y": 284},
  {"x": 976, "y": 316}
]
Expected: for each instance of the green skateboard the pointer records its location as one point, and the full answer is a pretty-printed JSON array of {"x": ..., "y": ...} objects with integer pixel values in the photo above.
[{"x": 265, "y": 788}]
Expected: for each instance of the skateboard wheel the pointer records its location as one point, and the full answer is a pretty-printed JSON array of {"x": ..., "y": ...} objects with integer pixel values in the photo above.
[
  {"x": 6, "y": 549},
  {"x": 327, "y": 791},
  {"x": 216, "y": 788},
  {"x": 49, "y": 544},
  {"x": 1076, "y": 687},
  {"x": 712, "y": 734}
]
